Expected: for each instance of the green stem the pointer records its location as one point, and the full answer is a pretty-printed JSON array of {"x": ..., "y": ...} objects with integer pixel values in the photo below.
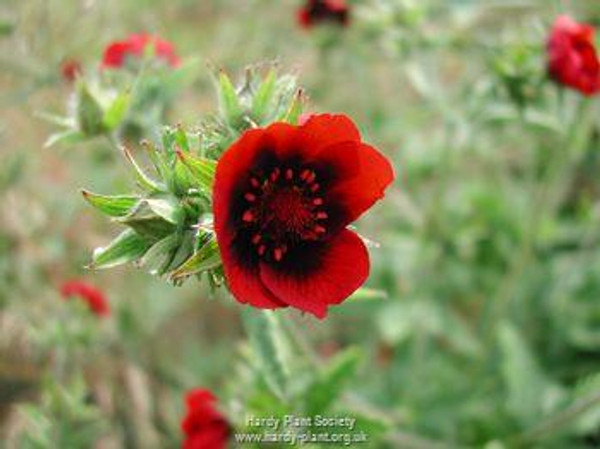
[{"x": 557, "y": 422}]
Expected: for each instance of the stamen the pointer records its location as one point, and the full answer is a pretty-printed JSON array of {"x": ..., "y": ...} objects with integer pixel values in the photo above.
[
  {"x": 251, "y": 197},
  {"x": 314, "y": 187},
  {"x": 256, "y": 239},
  {"x": 289, "y": 174},
  {"x": 311, "y": 177},
  {"x": 320, "y": 229},
  {"x": 322, "y": 215},
  {"x": 248, "y": 216},
  {"x": 278, "y": 254},
  {"x": 318, "y": 201},
  {"x": 261, "y": 250},
  {"x": 275, "y": 175},
  {"x": 304, "y": 174},
  {"x": 254, "y": 183}
]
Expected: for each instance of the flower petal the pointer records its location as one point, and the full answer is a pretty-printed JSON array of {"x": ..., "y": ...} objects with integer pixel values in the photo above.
[
  {"x": 338, "y": 268},
  {"x": 323, "y": 130},
  {"x": 362, "y": 183},
  {"x": 241, "y": 270}
]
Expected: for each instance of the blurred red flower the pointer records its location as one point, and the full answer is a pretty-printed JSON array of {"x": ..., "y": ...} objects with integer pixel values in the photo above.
[
  {"x": 117, "y": 52},
  {"x": 318, "y": 11},
  {"x": 572, "y": 57},
  {"x": 70, "y": 69},
  {"x": 204, "y": 426},
  {"x": 283, "y": 197},
  {"x": 94, "y": 298}
]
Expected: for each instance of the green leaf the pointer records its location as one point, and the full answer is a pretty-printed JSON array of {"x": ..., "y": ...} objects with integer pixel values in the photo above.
[
  {"x": 229, "y": 101},
  {"x": 115, "y": 206},
  {"x": 165, "y": 207},
  {"x": 206, "y": 258},
  {"x": 127, "y": 247},
  {"x": 146, "y": 219},
  {"x": 266, "y": 338},
  {"x": 202, "y": 169},
  {"x": 143, "y": 180},
  {"x": 115, "y": 113},
  {"x": 530, "y": 394},
  {"x": 181, "y": 139},
  {"x": 68, "y": 136},
  {"x": 156, "y": 256},
  {"x": 90, "y": 115},
  {"x": 264, "y": 96},
  {"x": 328, "y": 386},
  {"x": 292, "y": 115}
]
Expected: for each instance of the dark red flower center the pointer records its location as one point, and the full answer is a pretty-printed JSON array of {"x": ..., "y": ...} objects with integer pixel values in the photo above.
[{"x": 282, "y": 208}]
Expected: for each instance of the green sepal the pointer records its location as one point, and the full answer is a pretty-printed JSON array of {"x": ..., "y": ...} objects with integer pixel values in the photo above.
[
  {"x": 264, "y": 96},
  {"x": 113, "y": 205},
  {"x": 202, "y": 169},
  {"x": 229, "y": 102},
  {"x": 127, "y": 247},
  {"x": 115, "y": 113},
  {"x": 146, "y": 221},
  {"x": 206, "y": 258},
  {"x": 90, "y": 115}
]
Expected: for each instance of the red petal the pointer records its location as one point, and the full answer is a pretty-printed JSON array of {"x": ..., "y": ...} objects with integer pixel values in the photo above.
[
  {"x": 323, "y": 130},
  {"x": 114, "y": 55},
  {"x": 343, "y": 268},
  {"x": 363, "y": 174},
  {"x": 242, "y": 278}
]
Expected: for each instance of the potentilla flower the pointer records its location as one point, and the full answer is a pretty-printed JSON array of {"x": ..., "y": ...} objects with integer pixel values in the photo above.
[
  {"x": 283, "y": 196},
  {"x": 92, "y": 296},
  {"x": 135, "y": 45},
  {"x": 70, "y": 69},
  {"x": 204, "y": 426},
  {"x": 572, "y": 57},
  {"x": 318, "y": 11}
]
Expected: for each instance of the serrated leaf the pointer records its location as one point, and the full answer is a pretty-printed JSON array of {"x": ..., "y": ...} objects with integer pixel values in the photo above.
[
  {"x": 114, "y": 205},
  {"x": 265, "y": 334},
  {"x": 206, "y": 258},
  {"x": 115, "y": 113},
  {"x": 127, "y": 247},
  {"x": 328, "y": 386},
  {"x": 264, "y": 96}
]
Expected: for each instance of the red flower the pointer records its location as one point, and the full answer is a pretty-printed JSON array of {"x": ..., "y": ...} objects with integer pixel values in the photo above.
[
  {"x": 203, "y": 425},
  {"x": 317, "y": 11},
  {"x": 94, "y": 298},
  {"x": 283, "y": 197},
  {"x": 116, "y": 53},
  {"x": 572, "y": 58},
  {"x": 70, "y": 70}
]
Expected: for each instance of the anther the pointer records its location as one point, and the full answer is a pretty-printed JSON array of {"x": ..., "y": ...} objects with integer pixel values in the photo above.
[
  {"x": 278, "y": 254},
  {"x": 320, "y": 229},
  {"x": 311, "y": 177},
  {"x": 321, "y": 215},
  {"x": 304, "y": 174},
  {"x": 275, "y": 175},
  {"x": 256, "y": 239},
  {"x": 248, "y": 216},
  {"x": 254, "y": 183},
  {"x": 318, "y": 201},
  {"x": 314, "y": 187},
  {"x": 261, "y": 250},
  {"x": 289, "y": 174},
  {"x": 250, "y": 197}
]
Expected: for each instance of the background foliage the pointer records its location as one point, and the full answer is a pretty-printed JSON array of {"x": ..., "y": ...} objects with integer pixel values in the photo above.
[{"x": 488, "y": 243}]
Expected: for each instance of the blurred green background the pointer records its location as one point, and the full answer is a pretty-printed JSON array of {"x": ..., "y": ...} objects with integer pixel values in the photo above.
[{"x": 488, "y": 244}]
